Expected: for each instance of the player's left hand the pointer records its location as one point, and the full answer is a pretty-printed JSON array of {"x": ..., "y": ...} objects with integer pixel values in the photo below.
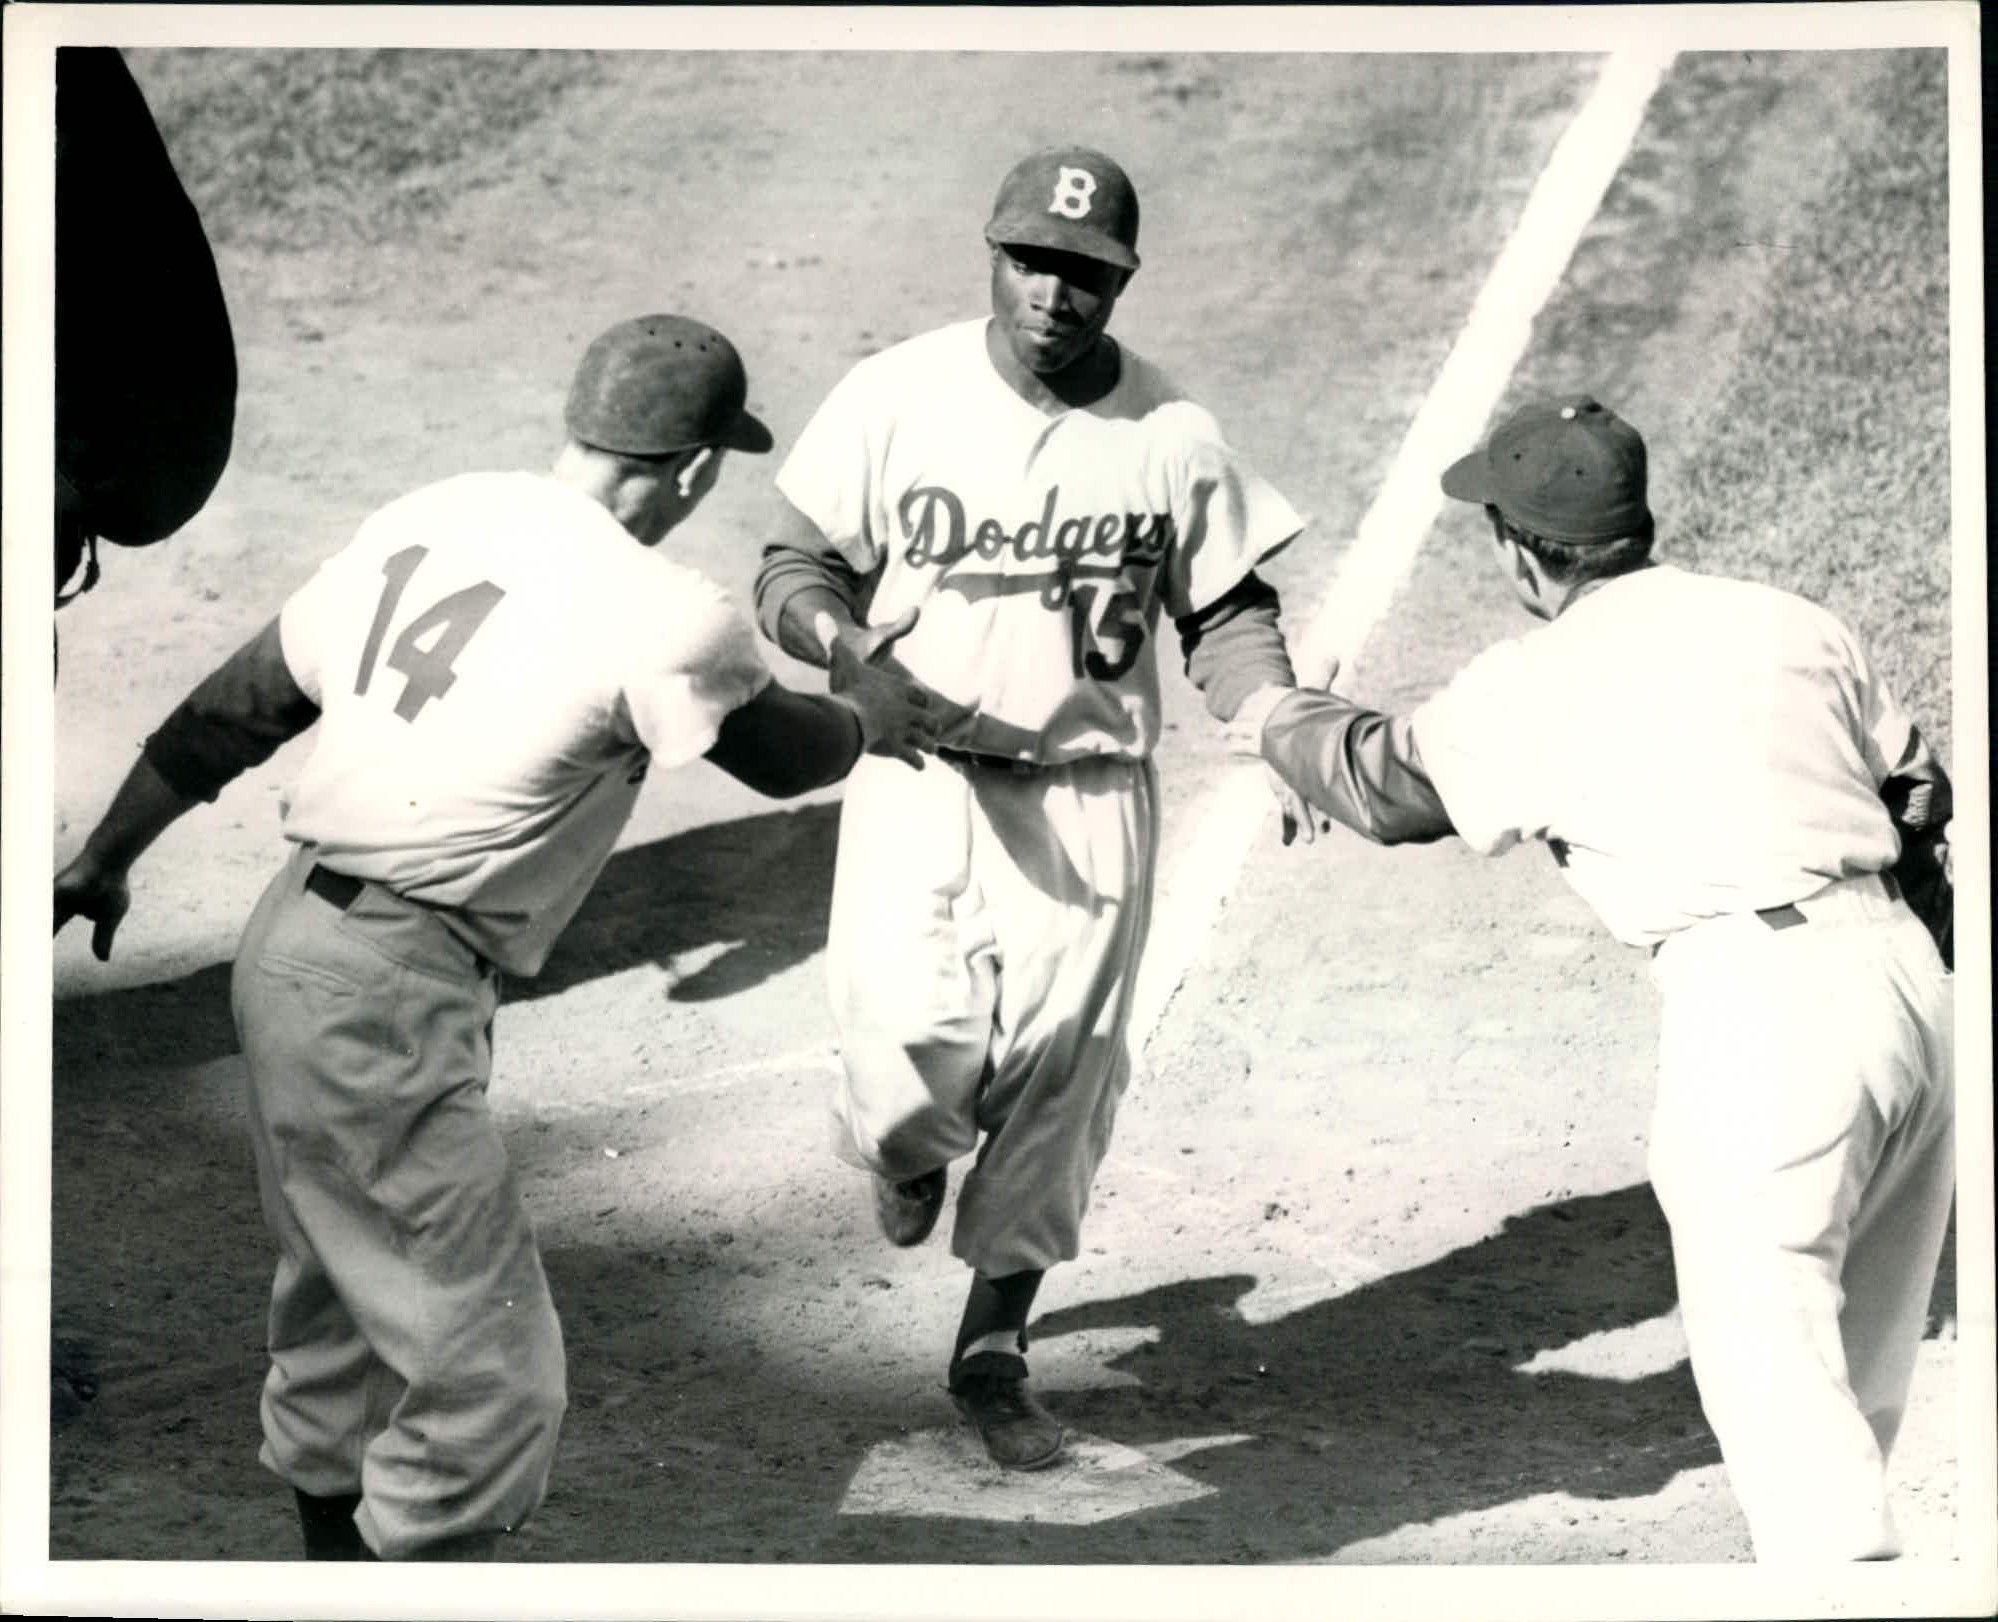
[{"x": 85, "y": 890}]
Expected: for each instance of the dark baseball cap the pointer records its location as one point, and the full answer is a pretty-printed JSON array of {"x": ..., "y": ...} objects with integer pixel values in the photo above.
[
  {"x": 1072, "y": 198},
  {"x": 662, "y": 383},
  {"x": 1569, "y": 469}
]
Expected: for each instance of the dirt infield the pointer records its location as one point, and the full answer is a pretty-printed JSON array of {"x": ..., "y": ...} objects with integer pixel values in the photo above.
[{"x": 1373, "y": 1274}]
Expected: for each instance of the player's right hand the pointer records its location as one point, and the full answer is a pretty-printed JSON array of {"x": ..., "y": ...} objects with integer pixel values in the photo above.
[
  {"x": 83, "y": 889},
  {"x": 897, "y": 715}
]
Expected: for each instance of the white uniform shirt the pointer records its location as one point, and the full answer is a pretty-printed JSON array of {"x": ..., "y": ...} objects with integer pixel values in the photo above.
[
  {"x": 1690, "y": 746},
  {"x": 496, "y": 661},
  {"x": 1040, "y": 549}
]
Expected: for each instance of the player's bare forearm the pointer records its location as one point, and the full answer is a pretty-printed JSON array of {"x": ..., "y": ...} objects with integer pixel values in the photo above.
[
  {"x": 144, "y": 807},
  {"x": 235, "y": 719},
  {"x": 94, "y": 884},
  {"x": 808, "y": 620},
  {"x": 1357, "y": 766}
]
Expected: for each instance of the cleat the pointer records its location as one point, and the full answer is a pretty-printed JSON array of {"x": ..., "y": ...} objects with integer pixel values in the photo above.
[
  {"x": 907, "y": 1210},
  {"x": 1017, "y": 1431}
]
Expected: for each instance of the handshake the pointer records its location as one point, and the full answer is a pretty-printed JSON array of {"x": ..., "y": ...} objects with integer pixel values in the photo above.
[
  {"x": 899, "y": 716},
  {"x": 1245, "y": 741}
]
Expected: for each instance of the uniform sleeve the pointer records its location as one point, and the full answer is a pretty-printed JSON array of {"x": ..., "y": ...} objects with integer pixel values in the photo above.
[
  {"x": 236, "y": 719},
  {"x": 1477, "y": 744},
  {"x": 1888, "y": 738},
  {"x": 691, "y": 675},
  {"x": 833, "y": 470},
  {"x": 1359, "y": 765},
  {"x": 1227, "y": 517},
  {"x": 1235, "y": 645}
]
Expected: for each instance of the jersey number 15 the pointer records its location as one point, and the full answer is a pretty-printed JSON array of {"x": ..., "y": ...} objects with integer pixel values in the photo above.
[{"x": 453, "y": 619}]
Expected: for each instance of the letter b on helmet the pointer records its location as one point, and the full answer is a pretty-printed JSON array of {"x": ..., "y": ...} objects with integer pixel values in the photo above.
[{"x": 1073, "y": 189}]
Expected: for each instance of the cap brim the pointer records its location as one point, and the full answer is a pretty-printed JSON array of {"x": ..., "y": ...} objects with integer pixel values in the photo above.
[
  {"x": 1469, "y": 478},
  {"x": 748, "y": 434},
  {"x": 1036, "y": 232}
]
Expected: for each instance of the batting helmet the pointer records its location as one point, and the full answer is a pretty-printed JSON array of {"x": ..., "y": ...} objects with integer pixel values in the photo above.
[{"x": 662, "y": 383}]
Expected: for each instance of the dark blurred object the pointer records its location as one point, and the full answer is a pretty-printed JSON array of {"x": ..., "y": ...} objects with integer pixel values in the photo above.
[
  {"x": 1928, "y": 885},
  {"x": 1921, "y": 810},
  {"x": 145, "y": 359}
]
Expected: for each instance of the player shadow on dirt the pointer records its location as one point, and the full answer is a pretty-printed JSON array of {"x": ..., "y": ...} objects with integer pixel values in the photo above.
[
  {"x": 1406, "y": 1401},
  {"x": 164, "y": 1024},
  {"x": 1402, "y": 1402},
  {"x": 758, "y": 886}
]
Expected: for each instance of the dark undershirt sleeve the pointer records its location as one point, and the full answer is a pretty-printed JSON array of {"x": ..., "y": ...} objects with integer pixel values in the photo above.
[
  {"x": 1356, "y": 765},
  {"x": 238, "y": 717},
  {"x": 790, "y": 573},
  {"x": 1235, "y": 645},
  {"x": 783, "y": 743}
]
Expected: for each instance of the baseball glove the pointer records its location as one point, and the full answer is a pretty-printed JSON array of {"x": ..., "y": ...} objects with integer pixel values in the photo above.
[{"x": 1924, "y": 871}]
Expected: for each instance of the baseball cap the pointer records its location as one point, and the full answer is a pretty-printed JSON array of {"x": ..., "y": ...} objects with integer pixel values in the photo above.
[
  {"x": 1569, "y": 469},
  {"x": 662, "y": 383},
  {"x": 1072, "y": 198}
]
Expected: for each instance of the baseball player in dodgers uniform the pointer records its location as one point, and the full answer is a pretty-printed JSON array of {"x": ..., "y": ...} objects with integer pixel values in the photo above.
[
  {"x": 1721, "y": 774},
  {"x": 494, "y": 662},
  {"x": 1043, "y": 495}
]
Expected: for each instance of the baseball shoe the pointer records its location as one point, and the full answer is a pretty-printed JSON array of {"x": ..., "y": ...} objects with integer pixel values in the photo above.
[
  {"x": 1017, "y": 1431},
  {"x": 907, "y": 1210}
]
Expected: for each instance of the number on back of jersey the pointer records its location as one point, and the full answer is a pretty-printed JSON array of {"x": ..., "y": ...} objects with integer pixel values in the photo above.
[{"x": 449, "y": 623}]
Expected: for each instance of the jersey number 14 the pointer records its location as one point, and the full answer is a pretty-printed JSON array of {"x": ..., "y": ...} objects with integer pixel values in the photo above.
[{"x": 453, "y": 619}]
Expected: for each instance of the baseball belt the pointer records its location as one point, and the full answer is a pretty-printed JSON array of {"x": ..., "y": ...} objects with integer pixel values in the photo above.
[
  {"x": 1790, "y": 915},
  {"x": 337, "y": 889},
  {"x": 994, "y": 763},
  {"x": 342, "y": 889}
]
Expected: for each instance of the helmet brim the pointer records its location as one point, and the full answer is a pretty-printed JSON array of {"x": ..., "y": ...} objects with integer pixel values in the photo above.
[
  {"x": 1469, "y": 478},
  {"x": 1038, "y": 231},
  {"x": 747, "y": 433}
]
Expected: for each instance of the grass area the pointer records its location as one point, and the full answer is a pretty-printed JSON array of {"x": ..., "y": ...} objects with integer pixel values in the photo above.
[
  {"x": 1795, "y": 387},
  {"x": 294, "y": 149}
]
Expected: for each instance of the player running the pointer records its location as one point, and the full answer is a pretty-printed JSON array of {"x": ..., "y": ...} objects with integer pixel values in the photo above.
[
  {"x": 1043, "y": 494},
  {"x": 1721, "y": 774},
  {"x": 494, "y": 662}
]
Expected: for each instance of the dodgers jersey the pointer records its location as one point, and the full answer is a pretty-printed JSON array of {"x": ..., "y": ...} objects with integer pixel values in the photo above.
[
  {"x": 1690, "y": 746},
  {"x": 1039, "y": 548},
  {"x": 496, "y": 661}
]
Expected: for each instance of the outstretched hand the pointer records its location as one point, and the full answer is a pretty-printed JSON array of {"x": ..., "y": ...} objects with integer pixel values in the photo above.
[
  {"x": 898, "y": 715},
  {"x": 85, "y": 890},
  {"x": 1246, "y": 737}
]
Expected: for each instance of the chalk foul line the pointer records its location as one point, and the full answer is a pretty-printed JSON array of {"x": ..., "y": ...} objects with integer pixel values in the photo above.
[{"x": 1469, "y": 386}]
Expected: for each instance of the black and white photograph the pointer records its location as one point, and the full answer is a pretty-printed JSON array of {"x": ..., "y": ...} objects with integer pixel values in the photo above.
[{"x": 610, "y": 1012}]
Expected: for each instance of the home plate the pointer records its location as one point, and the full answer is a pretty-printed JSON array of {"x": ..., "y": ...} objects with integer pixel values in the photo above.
[{"x": 945, "y": 1474}]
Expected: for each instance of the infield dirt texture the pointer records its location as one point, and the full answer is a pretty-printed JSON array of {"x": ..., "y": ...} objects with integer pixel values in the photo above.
[{"x": 1373, "y": 1273}]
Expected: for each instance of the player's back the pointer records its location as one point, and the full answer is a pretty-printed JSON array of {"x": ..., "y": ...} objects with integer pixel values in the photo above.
[
  {"x": 1712, "y": 738},
  {"x": 470, "y": 652},
  {"x": 465, "y": 644},
  {"x": 1689, "y": 745}
]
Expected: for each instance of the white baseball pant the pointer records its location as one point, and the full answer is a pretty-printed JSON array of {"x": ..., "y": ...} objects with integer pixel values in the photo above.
[
  {"x": 1803, "y": 1150},
  {"x": 982, "y": 954}
]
